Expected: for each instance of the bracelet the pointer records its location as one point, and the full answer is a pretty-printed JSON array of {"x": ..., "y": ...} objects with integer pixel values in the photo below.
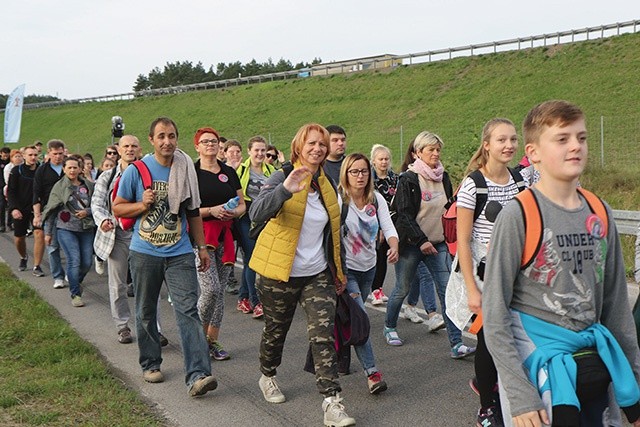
[{"x": 201, "y": 247}]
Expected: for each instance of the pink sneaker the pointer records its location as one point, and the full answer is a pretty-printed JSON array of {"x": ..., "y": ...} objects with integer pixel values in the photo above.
[
  {"x": 377, "y": 297},
  {"x": 257, "y": 311},
  {"x": 244, "y": 306}
]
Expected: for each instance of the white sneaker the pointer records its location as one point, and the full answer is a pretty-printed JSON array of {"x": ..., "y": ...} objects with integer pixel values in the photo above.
[
  {"x": 410, "y": 313},
  {"x": 334, "y": 414},
  {"x": 58, "y": 283},
  {"x": 270, "y": 389},
  {"x": 435, "y": 323},
  {"x": 376, "y": 296},
  {"x": 383, "y": 296},
  {"x": 99, "y": 265}
]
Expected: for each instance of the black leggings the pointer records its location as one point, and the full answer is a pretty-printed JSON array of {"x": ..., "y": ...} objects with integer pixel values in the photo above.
[
  {"x": 486, "y": 373},
  {"x": 381, "y": 265}
]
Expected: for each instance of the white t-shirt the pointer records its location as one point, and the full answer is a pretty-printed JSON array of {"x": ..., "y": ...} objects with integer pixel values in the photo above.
[
  {"x": 502, "y": 194},
  {"x": 361, "y": 231},
  {"x": 310, "y": 258}
]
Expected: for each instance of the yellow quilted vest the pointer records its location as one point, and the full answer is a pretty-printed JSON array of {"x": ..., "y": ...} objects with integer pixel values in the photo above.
[{"x": 276, "y": 246}]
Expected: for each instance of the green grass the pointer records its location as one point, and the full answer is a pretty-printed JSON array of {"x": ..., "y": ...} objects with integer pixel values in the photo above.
[{"x": 49, "y": 376}]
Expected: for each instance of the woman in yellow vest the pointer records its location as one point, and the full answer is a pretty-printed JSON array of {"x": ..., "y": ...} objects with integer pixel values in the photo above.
[{"x": 297, "y": 257}]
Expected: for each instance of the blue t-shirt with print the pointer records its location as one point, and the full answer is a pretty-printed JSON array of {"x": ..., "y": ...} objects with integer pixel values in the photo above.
[{"x": 156, "y": 232}]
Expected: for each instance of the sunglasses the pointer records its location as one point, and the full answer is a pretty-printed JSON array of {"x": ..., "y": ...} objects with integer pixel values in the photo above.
[
  {"x": 111, "y": 153},
  {"x": 272, "y": 156}
]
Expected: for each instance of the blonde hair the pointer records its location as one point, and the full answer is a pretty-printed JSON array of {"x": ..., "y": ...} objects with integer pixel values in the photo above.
[
  {"x": 481, "y": 156},
  {"x": 425, "y": 138},
  {"x": 378, "y": 148},
  {"x": 344, "y": 187},
  {"x": 301, "y": 138}
]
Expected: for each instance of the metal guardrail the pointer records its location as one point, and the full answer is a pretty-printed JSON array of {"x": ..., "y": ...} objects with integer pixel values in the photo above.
[
  {"x": 541, "y": 40},
  {"x": 627, "y": 222}
]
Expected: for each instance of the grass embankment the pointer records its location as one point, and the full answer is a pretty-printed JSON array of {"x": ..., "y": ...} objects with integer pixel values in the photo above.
[{"x": 49, "y": 376}]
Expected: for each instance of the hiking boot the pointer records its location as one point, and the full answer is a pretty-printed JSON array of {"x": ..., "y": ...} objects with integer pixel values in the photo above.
[
  {"x": 377, "y": 297},
  {"x": 257, "y": 311},
  {"x": 130, "y": 292},
  {"x": 244, "y": 306},
  {"x": 23, "y": 264},
  {"x": 202, "y": 385},
  {"x": 435, "y": 322},
  {"x": 391, "y": 335},
  {"x": 489, "y": 418},
  {"x": 411, "y": 314},
  {"x": 153, "y": 376},
  {"x": 334, "y": 414},
  {"x": 270, "y": 389},
  {"x": 37, "y": 271},
  {"x": 376, "y": 383},
  {"x": 76, "y": 301},
  {"x": 99, "y": 265},
  {"x": 124, "y": 336},
  {"x": 58, "y": 283},
  {"x": 461, "y": 350},
  {"x": 217, "y": 352},
  {"x": 163, "y": 340}
]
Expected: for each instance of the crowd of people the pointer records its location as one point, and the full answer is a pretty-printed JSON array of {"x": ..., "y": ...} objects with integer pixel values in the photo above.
[{"x": 560, "y": 346}]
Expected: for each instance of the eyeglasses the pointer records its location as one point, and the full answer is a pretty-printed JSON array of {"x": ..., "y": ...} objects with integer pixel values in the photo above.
[
  {"x": 112, "y": 153},
  {"x": 356, "y": 172},
  {"x": 208, "y": 141},
  {"x": 271, "y": 156}
]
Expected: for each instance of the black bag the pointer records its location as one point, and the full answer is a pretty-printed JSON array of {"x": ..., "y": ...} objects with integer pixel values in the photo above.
[{"x": 593, "y": 378}]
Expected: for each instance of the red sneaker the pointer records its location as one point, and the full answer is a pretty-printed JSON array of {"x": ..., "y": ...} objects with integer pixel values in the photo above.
[
  {"x": 244, "y": 306},
  {"x": 376, "y": 383},
  {"x": 257, "y": 311}
]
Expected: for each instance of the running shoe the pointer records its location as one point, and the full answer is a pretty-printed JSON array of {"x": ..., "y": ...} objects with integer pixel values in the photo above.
[
  {"x": 377, "y": 297},
  {"x": 411, "y": 314},
  {"x": 244, "y": 306},
  {"x": 489, "y": 418},
  {"x": 435, "y": 322},
  {"x": 37, "y": 271},
  {"x": 258, "y": 311},
  {"x": 391, "y": 335},
  {"x": 376, "y": 383},
  {"x": 217, "y": 352},
  {"x": 23, "y": 264}
]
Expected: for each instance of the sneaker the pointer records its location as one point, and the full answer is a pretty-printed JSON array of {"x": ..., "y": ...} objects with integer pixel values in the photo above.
[
  {"x": 76, "y": 301},
  {"x": 391, "y": 335},
  {"x": 124, "y": 336},
  {"x": 163, "y": 340},
  {"x": 23, "y": 264},
  {"x": 217, "y": 352},
  {"x": 488, "y": 418},
  {"x": 376, "y": 383},
  {"x": 99, "y": 265},
  {"x": 435, "y": 322},
  {"x": 410, "y": 313},
  {"x": 203, "y": 385},
  {"x": 244, "y": 306},
  {"x": 130, "y": 292},
  {"x": 153, "y": 376},
  {"x": 383, "y": 296},
  {"x": 257, "y": 311},
  {"x": 377, "y": 297},
  {"x": 58, "y": 283},
  {"x": 270, "y": 389},
  {"x": 232, "y": 289},
  {"x": 37, "y": 271},
  {"x": 334, "y": 414},
  {"x": 461, "y": 350}
]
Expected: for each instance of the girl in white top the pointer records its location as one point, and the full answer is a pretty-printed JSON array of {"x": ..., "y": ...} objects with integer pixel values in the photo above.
[
  {"x": 367, "y": 213},
  {"x": 499, "y": 144}
]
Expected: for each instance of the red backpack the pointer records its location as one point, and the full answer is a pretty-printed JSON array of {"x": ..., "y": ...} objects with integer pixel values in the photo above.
[{"x": 145, "y": 175}]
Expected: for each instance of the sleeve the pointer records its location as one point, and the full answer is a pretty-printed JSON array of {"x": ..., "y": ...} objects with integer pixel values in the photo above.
[
  {"x": 37, "y": 185},
  {"x": 616, "y": 314},
  {"x": 467, "y": 194},
  {"x": 503, "y": 266},
  {"x": 384, "y": 217},
  {"x": 100, "y": 200},
  {"x": 128, "y": 185},
  {"x": 12, "y": 190},
  {"x": 270, "y": 199},
  {"x": 407, "y": 212}
]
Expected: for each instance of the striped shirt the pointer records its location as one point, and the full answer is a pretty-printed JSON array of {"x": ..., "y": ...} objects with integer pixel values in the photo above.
[{"x": 502, "y": 194}]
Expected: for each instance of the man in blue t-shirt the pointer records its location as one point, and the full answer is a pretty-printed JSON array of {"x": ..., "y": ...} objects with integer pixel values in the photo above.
[{"x": 161, "y": 251}]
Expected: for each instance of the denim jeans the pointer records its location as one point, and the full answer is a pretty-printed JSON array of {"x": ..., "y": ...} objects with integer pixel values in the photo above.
[
  {"x": 179, "y": 273},
  {"x": 248, "y": 283},
  {"x": 359, "y": 284},
  {"x": 439, "y": 266},
  {"x": 53, "y": 252},
  {"x": 422, "y": 286},
  {"x": 78, "y": 249}
]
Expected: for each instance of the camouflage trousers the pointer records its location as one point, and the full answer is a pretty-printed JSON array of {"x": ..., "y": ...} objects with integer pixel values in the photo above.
[{"x": 317, "y": 297}]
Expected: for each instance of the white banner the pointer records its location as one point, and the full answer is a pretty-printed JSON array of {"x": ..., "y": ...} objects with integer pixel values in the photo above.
[{"x": 13, "y": 115}]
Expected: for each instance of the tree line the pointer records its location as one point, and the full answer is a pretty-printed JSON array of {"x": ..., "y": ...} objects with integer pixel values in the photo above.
[
  {"x": 184, "y": 73},
  {"x": 28, "y": 99}
]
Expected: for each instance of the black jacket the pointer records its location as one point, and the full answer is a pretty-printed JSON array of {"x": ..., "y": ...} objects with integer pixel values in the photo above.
[{"x": 407, "y": 203}]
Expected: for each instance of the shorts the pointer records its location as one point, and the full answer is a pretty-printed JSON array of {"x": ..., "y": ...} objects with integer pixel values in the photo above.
[{"x": 20, "y": 226}]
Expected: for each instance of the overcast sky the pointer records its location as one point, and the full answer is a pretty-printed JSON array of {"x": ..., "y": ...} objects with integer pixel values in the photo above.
[{"x": 79, "y": 48}]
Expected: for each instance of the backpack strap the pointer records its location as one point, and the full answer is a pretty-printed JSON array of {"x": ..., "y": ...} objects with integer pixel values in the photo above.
[
  {"x": 517, "y": 177},
  {"x": 532, "y": 225},
  {"x": 144, "y": 172},
  {"x": 482, "y": 192},
  {"x": 597, "y": 207}
]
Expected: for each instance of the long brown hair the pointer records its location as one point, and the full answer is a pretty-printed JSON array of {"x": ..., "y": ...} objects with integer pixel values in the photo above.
[{"x": 344, "y": 186}]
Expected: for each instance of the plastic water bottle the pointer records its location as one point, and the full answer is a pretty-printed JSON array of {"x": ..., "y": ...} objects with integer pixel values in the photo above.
[{"x": 231, "y": 204}]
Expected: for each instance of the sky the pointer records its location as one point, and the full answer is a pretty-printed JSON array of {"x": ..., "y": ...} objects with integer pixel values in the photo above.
[{"x": 78, "y": 48}]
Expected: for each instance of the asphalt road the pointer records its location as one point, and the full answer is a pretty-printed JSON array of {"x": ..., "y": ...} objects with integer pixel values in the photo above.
[{"x": 426, "y": 386}]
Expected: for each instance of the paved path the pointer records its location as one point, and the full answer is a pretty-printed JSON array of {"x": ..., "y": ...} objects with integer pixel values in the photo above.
[{"x": 426, "y": 386}]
